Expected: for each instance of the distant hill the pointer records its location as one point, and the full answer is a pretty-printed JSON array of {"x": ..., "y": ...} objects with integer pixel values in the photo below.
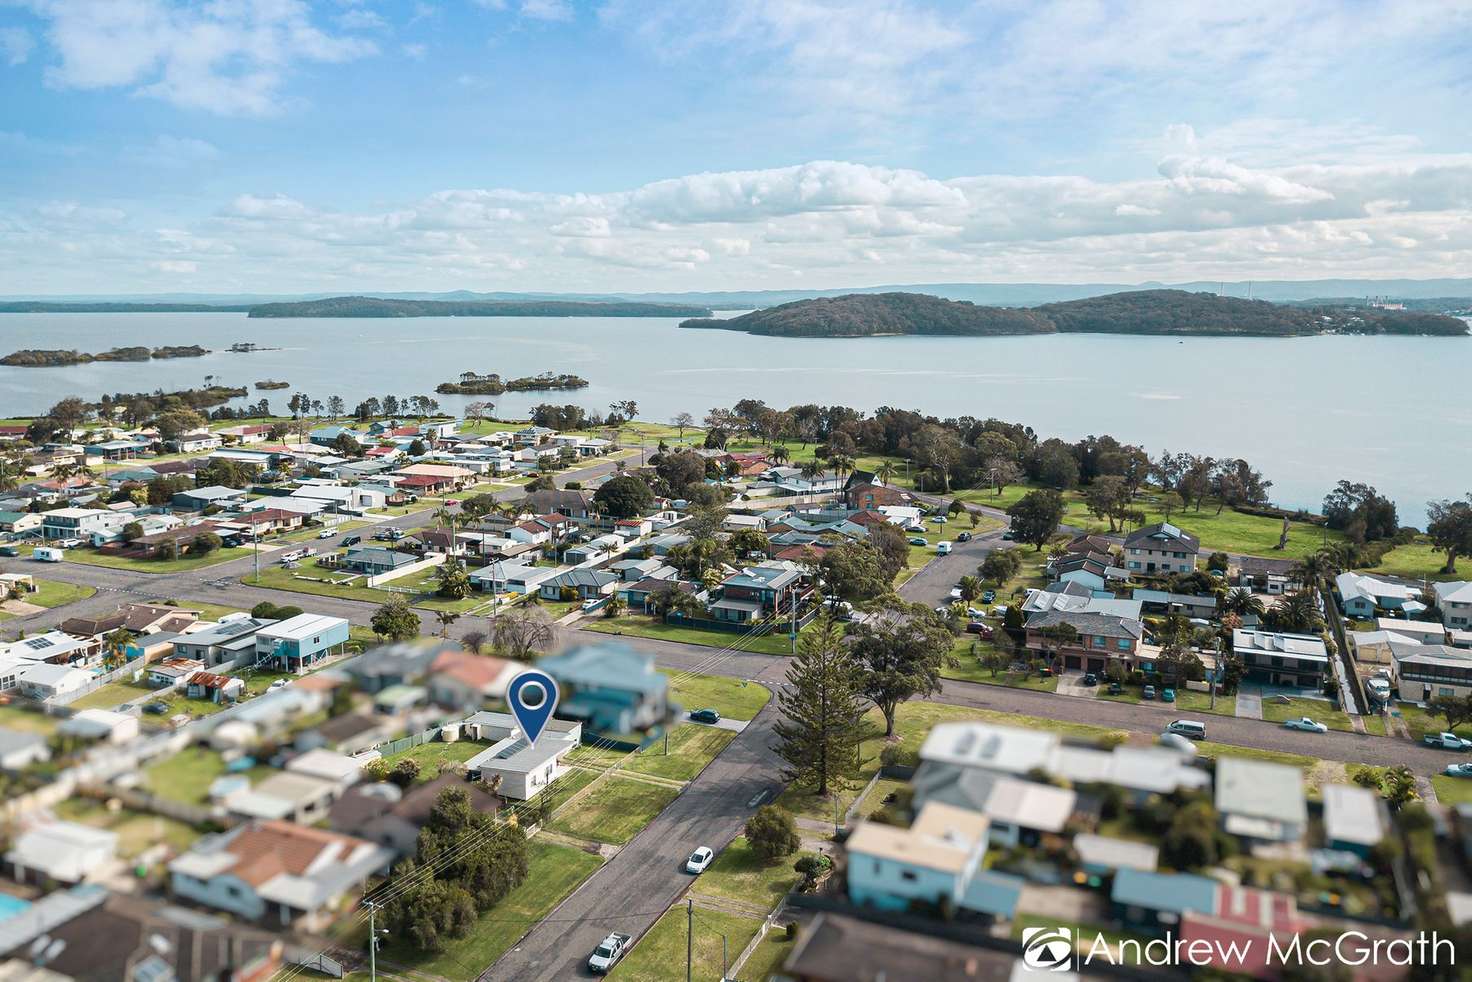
[
  {"x": 1175, "y": 312},
  {"x": 873, "y": 314},
  {"x": 379, "y": 307},
  {"x": 113, "y": 307}
]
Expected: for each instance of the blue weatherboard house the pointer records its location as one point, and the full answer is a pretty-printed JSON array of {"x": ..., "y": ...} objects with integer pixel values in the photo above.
[
  {"x": 1156, "y": 901},
  {"x": 298, "y": 643},
  {"x": 610, "y": 688}
]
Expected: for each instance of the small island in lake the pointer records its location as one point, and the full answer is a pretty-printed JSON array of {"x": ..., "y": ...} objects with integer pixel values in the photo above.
[
  {"x": 246, "y": 347},
  {"x": 272, "y": 384},
  {"x": 474, "y": 384},
  {"x": 53, "y": 358},
  {"x": 1172, "y": 312}
]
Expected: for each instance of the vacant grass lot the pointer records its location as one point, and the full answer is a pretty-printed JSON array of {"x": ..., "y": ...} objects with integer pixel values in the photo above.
[
  {"x": 640, "y": 626},
  {"x": 15, "y": 718},
  {"x": 659, "y": 956},
  {"x": 691, "y": 747},
  {"x": 768, "y": 957},
  {"x": 968, "y": 668},
  {"x": 52, "y": 593},
  {"x": 1420, "y": 722},
  {"x": 137, "y": 832},
  {"x": 186, "y": 776},
  {"x": 1229, "y": 531},
  {"x": 184, "y": 564},
  {"x": 316, "y": 580},
  {"x": 614, "y": 811},
  {"x": 732, "y": 698},
  {"x": 553, "y": 872},
  {"x": 739, "y": 874},
  {"x": 1416, "y": 560},
  {"x": 1452, "y": 790},
  {"x": 1315, "y": 709}
]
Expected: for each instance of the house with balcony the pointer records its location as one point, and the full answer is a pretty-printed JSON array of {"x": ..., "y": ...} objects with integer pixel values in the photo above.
[
  {"x": 1455, "y": 600},
  {"x": 1422, "y": 672},
  {"x": 298, "y": 643},
  {"x": 225, "y": 645},
  {"x": 761, "y": 591},
  {"x": 1160, "y": 549},
  {"x": 81, "y": 523},
  {"x": 610, "y": 688},
  {"x": 1300, "y": 660},
  {"x": 1363, "y": 596},
  {"x": 1097, "y": 638}
]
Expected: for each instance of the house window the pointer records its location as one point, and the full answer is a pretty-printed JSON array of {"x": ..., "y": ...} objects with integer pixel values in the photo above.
[
  {"x": 908, "y": 876},
  {"x": 1123, "y": 644},
  {"x": 1098, "y": 641}
]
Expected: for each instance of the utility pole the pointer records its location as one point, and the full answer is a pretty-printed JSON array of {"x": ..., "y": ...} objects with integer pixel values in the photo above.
[
  {"x": 372, "y": 942},
  {"x": 724, "y": 959},
  {"x": 792, "y": 599},
  {"x": 689, "y": 935},
  {"x": 255, "y": 541}
]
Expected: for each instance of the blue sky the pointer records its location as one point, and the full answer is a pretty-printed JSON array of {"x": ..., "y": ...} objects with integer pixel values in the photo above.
[{"x": 283, "y": 145}]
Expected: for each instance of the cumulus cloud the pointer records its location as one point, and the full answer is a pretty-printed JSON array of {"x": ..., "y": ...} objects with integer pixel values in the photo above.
[
  {"x": 227, "y": 58},
  {"x": 822, "y": 223}
]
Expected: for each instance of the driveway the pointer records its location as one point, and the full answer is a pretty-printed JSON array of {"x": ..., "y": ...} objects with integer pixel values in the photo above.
[{"x": 932, "y": 584}]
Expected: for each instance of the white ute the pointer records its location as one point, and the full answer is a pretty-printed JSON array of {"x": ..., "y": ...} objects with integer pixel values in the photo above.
[{"x": 610, "y": 950}]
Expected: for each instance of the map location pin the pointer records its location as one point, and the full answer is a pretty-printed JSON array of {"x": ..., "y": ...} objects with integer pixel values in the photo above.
[{"x": 533, "y": 698}]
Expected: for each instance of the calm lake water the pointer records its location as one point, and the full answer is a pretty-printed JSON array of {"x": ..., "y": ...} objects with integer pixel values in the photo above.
[{"x": 1394, "y": 412}]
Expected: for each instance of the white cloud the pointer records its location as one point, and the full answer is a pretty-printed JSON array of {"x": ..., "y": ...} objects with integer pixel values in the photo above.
[
  {"x": 174, "y": 152},
  {"x": 555, "y": 10},
  {"x": 15, "y": 45},
  {"x": 228, "y": 58},
  {"x": 824, "y": 223}
]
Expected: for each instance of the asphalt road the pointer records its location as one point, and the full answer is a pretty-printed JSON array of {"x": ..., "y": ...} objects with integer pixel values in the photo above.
[
  {"x": 932, "y": 584},
  {"x": 630, "y": 892}
]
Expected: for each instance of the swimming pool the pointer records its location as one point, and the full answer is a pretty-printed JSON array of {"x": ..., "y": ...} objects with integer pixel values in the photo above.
[{"x": 12, "y": 906}]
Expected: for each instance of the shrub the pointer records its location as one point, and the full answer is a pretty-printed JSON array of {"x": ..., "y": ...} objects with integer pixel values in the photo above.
[{"x": 771, "y": 833}]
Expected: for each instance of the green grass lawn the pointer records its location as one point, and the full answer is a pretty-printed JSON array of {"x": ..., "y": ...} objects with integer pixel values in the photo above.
[
  {"x": 1452, "y": 790},
  {"x": 433, "y": 756},
  {"x": 186, "y": 776},
  {"x": 318, "y": 581},
  {"x": 732, "y": 698},
  {"x": 615, "y": 811},
  {"x": 1420, "y": 722},
  {"x": 1230, "y": 531},
  {"x": 691, "y": 747},
  {"x": 768, "y": 956},
  {"x": 640, "y": 626},
  {"x": 968, "y": 668},
  {"x": 1217, "y": 750},
  {"x": 137, "y": 832},
  {"x": 1416, "y": 560},
  {"x": 16, "y": 718},
  {"x": 1315, "y": 709},
  {"x": 110, "y": 695},
  {"x": 183, "y": 564},
  {"x": 52, "y": 593},
  {"x": 739, "y": 874},
  {"x": 659, "y": 955},
  {"x": 553, "y": 872}
]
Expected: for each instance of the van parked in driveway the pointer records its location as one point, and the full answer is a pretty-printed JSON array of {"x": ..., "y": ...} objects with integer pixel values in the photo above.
[{"x": 1189, "y": 728}]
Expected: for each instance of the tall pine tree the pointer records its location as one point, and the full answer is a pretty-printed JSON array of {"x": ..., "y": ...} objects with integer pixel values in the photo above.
[{"x": 823, "y": 710}]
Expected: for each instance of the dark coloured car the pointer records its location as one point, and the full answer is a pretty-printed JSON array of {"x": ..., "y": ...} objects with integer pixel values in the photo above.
[
  {"x": 1115, "y": 689},
  {"x": 705, "y": 716},
  {"x": 974, "y": 627},
  {"x": 988, "y": 596},
  {"x": 155, "y": 708},
  {"x": 1091, "y": 679},
  {"x": 964, "y": 537}
]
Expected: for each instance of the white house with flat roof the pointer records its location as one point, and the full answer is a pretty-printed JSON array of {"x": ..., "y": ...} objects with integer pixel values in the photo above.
[
  {"x": 1300, "y": 660},
  {"x": 1455, "y": 600},
  {"x": 524, "y": 770},
  {"x": 1261, "y": 800},
  {"x": 1354, "y": 818}
]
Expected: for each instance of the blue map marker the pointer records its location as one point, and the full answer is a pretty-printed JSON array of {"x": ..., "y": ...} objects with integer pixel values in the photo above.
[{"x": 533, "y": 698}]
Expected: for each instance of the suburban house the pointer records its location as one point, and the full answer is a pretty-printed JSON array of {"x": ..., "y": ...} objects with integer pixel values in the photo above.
[
  {"x": 64, "y": 852},
  {"x": 196, "y": 442},
  {"x": 198, "y": 499},
  {"x": 513, "y": 767},
  {"x": 1455, "y": 600},
  {"x": 44, "y": 682},
  {"x": 573, "y": 504},
  {"x": 761, "y": 591},
  {"x": 1098, "y": 638},
  {"x": 1020, "y": 812},
  {"x": 1093, "y": 571},
  {"x": 1153, "y": 902},
  {"x": 459, "y": 678},
  {"x": 1261, "y": 801},
  {"x": 100, "y": 724},
  {"x": 172, "y": 672},
  {"x": 1354, "y": 819},
  {"x": 586, "y": 584},
  {"x": 1160, "y": 549},
  {"x": 298, "y": 643},
  {"x": 16, "y": 522},
  {"x": 283, "y": 795},
  {"x": 870, "y": 496},
  {"x": 404, "y": 663},
  {"x": 1077, "y": 598},
  {"x": 1300, "y": 660},
  {"x": 228, "y": 644},
  {"x": 1162, "y": 602},
  {"x": 644, "y": 594},
  {"x": 938, "y": 859},
  {"x": 374, "y": 560},
  {"x": 1422, "y": 672},
  {"x": 391, "y": 817},
  {"x": 277, "y": 873},
  {"x": 19, "y": 749},
  {"x": 80, "y": 523},
  {"x": 136, "y": 618},
  {"x": 1362, "y": 596},
  {"x": 511, "y": 577},
  {"x": 358, "y": 498},
  {"x": 609, "y": 687}
]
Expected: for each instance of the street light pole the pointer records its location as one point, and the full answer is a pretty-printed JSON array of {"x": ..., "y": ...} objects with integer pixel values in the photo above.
[{"x": 689, "y": 935}]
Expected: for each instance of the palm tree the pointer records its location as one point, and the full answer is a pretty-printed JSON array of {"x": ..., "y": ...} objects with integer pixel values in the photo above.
[
  {"x": 446, "y": 618},
  {"x": 970, "y": 588},
  {"x": 886, "y": 471},
  {"x": 780, "y": 455},
  {"x": 1311, "y": 569},
  {"x": 842, "y": 464},
  {"x": 115, "y": 648},
  {"x": 1242, "y": 601},
  {"x": 810, "y": 469}
]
